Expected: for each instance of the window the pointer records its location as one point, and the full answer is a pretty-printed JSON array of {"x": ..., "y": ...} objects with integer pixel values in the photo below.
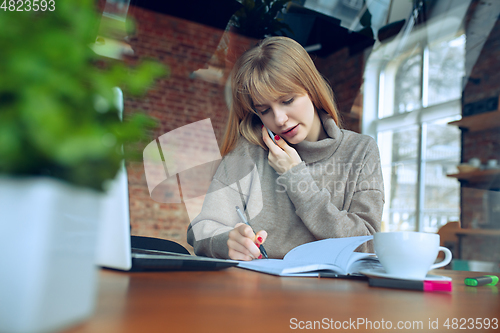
[{"x": 408, "y": 101}]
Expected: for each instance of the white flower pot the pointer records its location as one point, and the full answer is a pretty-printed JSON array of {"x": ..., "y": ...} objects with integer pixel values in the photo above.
[{"x": 48, "y": 276}]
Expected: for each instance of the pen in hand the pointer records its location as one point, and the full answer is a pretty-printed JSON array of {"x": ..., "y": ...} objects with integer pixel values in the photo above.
[{"x": 244, "y": 220}]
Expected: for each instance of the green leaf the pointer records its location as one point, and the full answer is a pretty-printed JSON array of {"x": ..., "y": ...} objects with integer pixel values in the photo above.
[{"x": 49, "y": 82}]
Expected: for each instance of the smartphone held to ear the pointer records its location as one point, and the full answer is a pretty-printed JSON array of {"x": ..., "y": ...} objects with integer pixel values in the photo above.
[{"x": 271, "y": 135}]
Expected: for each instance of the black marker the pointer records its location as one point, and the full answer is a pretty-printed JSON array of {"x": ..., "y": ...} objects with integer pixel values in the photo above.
[{"x": 244, "y": 220}]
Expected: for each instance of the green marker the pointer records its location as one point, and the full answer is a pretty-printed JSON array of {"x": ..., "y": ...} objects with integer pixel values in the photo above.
[{"x": 485, "y": 280}]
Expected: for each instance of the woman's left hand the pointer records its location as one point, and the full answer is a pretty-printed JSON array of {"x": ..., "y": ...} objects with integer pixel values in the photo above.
[{"x": 282, "y": 157}]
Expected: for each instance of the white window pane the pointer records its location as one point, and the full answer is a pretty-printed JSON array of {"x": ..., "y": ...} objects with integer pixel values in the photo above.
[
  {"x": 408, "y": 83},
  {"x": 401, "y": 194},
  {"x": 397, "y": 146},
  {"x": 442, "y": 196},
  {"x": 443, "y": 142},
  {"x": 441, "y": 192},
  {"x": 446, "y": 69},
  {"x": 435, "y": 220}
]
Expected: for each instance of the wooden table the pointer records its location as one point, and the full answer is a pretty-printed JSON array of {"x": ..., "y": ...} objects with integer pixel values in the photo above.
[{"x": 236, "y": 300}]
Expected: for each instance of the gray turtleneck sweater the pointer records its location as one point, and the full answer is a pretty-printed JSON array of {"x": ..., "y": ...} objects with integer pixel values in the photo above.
[{"x": 337, "y": 191}]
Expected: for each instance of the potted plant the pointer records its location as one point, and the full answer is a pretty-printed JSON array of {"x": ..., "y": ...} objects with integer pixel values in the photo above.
[
  {"x": 260, "y": 18},
  {"x": 61, "y": 140}
]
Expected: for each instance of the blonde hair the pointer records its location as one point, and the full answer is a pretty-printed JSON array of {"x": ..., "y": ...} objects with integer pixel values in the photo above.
[{"x": 277, "y": 66}]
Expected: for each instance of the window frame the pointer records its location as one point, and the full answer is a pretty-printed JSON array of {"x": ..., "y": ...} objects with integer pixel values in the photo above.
[{"x": 379, "y": 86}]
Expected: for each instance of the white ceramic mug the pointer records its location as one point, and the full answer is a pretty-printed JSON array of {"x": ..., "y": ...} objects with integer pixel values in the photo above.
[{"x": 409, "y": 255}]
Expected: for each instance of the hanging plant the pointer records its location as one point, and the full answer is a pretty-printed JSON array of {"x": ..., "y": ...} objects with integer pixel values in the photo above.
[{"x": 260, "y": 18}]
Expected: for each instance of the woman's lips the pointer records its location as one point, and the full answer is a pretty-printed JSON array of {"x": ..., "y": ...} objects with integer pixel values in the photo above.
[{"x": 291, "y": 132}]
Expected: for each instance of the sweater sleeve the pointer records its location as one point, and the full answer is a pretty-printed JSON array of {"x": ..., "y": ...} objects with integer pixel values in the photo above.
[
  {"x": 209, "y": 231},
  {"x": 361, "y": 215}
]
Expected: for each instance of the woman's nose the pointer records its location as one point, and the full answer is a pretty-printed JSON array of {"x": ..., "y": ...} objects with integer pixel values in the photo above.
[{"x": 280, "y": 116}]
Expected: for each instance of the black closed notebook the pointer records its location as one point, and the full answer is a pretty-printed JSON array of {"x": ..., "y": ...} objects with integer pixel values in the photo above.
[{"x": 154, "y": 254}]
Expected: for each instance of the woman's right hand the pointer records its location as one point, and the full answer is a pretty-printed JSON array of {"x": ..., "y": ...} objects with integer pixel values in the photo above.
[
  {"x": 281, "y": 156},
  {"x": 243, "y": 243}
]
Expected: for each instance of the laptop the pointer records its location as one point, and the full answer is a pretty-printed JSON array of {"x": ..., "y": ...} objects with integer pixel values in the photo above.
[{"x": 117, "y": 249}]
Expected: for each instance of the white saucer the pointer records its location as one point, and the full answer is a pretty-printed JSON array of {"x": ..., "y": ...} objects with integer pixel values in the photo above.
[{"x": 380, "y": 272}]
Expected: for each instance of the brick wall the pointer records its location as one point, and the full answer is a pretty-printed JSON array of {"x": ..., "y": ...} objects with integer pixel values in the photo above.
[
  {"x": 174, "y": 101},
  {"x": 344, "y": 72},
  {"x": 184, "y": 98}
]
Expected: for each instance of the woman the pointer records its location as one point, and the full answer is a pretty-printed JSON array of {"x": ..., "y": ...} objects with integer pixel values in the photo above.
[{"x": 317, "y": 181}]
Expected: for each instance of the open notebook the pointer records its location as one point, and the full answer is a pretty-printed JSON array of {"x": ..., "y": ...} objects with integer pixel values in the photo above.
[
  {"x": 334, "y": 255},
  {"x": 114, "y": 248}
]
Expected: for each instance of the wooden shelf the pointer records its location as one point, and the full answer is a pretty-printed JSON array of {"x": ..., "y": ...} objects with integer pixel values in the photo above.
[
  {"x": 477, "y": 175},
  {"x": 479, "y": 122},
  {"x": 478, "y": 232},
  {"x": 490, "y": 177},
  {"x": 460, "y": 233}
]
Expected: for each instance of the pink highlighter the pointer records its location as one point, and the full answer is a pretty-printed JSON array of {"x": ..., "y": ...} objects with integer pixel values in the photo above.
[{"x": 444, "y": 286}]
